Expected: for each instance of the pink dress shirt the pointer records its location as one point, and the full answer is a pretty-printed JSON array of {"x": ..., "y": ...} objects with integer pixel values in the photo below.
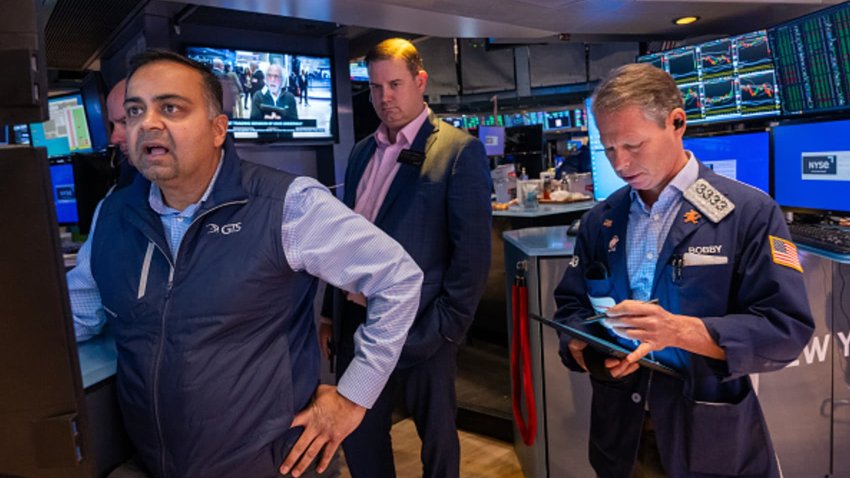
[{"x": 383, "y": 166}]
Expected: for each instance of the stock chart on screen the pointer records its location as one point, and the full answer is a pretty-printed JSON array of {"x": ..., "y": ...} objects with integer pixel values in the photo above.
[
  {"x": 812, "y": 57},
  {"x": 722, "y": 80}
]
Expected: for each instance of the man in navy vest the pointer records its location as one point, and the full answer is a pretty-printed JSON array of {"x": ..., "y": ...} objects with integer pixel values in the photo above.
[
  {"x": 717, "y": 257},
  {"x": 427, "y": 185},
  {"x": 204, "y": 269}
]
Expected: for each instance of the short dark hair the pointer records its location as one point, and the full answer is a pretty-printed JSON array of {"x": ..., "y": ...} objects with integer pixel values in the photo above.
[
  {"x": 212, "y": 86},
  {"x": 397, "y": 48}
]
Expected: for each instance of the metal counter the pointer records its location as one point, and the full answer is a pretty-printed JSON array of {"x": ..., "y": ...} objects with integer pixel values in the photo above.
[{"x": 562, "y": 397}]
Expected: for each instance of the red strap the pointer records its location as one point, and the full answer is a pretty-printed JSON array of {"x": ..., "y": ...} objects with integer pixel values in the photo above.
[{"x": 521, "y": 377}]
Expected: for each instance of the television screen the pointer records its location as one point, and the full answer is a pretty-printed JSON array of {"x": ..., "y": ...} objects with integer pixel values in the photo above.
[
  {"x": 272, "y": 96},
  {"x": 66, "y": 131},
  {"x": 811, "y": 55},
  {"x": 728, "y": 79},
  {"x": 64, "y": 191},
  {"x": 605, "y": 180},
  {"x": 743, "y": 157},
  {"x": 812, "y": 165},
  {"x": 493, "y": 138},
  {"x": 357, "y": 71}
]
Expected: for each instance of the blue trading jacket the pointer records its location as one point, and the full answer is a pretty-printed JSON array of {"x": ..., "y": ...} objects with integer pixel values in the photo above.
[
  {"x": 217, "y": 350},
  {"x": 710, "y": 424}
]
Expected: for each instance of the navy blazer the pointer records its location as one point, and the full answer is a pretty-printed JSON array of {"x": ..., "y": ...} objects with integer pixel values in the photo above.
[
  {"x": 438, "y": 209},
  {"x": 710, "y": 424}
]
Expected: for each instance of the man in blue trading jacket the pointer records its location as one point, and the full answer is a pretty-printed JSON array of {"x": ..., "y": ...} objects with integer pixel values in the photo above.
[
  {"x": 204, "y": 270},
  {"x": 427, "y": 185},
  {"x": 716, "y": 254}
]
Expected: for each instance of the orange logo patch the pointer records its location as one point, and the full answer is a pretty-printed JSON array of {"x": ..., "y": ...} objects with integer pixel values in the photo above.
[{"x": 692, "y": 217}]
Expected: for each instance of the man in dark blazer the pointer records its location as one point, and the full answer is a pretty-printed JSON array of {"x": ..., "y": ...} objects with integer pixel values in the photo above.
[{"x": 427, "y": 185}]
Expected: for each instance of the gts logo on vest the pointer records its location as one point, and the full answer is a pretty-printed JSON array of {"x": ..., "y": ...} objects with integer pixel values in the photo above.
[
  {"x": 703, "y": 250},
  {"x": 226, "y": 229}
]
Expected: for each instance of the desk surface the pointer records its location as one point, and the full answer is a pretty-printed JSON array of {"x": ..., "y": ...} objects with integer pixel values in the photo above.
[
  {"x": 542, "y": 241},
  {"x": 840, "y": 258},
  {"x": 98, "y": 359},
  {"x": 546, "y": 209}
]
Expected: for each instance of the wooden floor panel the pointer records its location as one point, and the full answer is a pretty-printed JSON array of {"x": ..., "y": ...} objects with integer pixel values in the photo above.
[{"x": 480, "y": 456}]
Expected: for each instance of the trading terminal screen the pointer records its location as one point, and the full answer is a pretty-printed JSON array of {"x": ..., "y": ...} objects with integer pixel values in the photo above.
[
  {"x": 743, "y": 157},
  {"x": 812, "y": 56},
  {"x": 64, "y": 191},
  {"x": 812, "y": 165},
  {"x": 605, "y": 180},
  {"x": 728, "y": 79},
  {"x": 567, "y": 119},
  {"x": 66, "y": 131}
]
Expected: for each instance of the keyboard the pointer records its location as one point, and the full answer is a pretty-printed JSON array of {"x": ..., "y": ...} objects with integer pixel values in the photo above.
[{"x": 828, "y": 238}]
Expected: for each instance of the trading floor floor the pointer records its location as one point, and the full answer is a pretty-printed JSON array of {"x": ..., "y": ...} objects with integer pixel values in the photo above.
[{"x": 480, "y": 456}]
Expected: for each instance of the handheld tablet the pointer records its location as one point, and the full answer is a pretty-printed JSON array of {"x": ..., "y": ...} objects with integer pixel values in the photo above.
[{"x": 611, "y": 348}]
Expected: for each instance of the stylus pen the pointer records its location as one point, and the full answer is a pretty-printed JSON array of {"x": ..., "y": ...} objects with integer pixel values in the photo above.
[{"x": 596, "y": 318}]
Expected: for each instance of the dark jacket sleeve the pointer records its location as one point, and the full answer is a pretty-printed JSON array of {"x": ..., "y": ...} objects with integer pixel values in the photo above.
[
  {"x": 571, "y": 293},
  {"x": 450, "y": 314},
  {"x": 775, "y": 321},
  {"x": 256, "y": 100}
]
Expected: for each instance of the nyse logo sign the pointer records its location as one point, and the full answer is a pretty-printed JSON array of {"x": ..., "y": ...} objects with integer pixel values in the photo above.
[{"x": 825, "y": 164}]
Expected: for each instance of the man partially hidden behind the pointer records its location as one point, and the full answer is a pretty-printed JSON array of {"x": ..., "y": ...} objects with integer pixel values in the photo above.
[
  {"x": 274, "y": 102},
  {"x": 204, "y": 269},
  {"x": 717, "y": 256},
  {"x": 427, "y": 185},
  {"x": 118, "y": 135}
]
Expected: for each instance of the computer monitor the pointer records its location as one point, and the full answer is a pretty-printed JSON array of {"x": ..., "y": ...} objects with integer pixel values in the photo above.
[
  {"x": 20, "y": 134},
  {"x": 66, "y": 131},
  {"x": 556, "y": 120},
  {"x": 743, "y": 157},
  {"x": 514, "y": 119},
  {"x": 811, "y": 61},
  {"x": 812, "y": 166},
  {"x": 493, "y": 138},
  {"x": 4, "y": 134},
  {"x": 456, "y": 121},
  {"x": 579, "y": 118},
  {"x": 64, "y": 190},
  {"x": 605, "y": 180},
  {"x": 728, "y": 79},
  {"x": 358, "y": 71},
  {"x": 93, "y": 91}
]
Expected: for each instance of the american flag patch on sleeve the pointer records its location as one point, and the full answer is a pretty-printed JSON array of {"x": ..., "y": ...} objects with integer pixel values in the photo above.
[{"x": 785, "y": 253}]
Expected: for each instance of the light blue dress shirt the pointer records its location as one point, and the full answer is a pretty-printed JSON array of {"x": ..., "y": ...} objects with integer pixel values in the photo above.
[
  {"x": 648, "y": 228},
  {"x": 324, "y": 238}
]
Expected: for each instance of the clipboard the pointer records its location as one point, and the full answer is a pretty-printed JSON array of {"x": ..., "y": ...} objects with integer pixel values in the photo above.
[{"x": 606, "y": 346}]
